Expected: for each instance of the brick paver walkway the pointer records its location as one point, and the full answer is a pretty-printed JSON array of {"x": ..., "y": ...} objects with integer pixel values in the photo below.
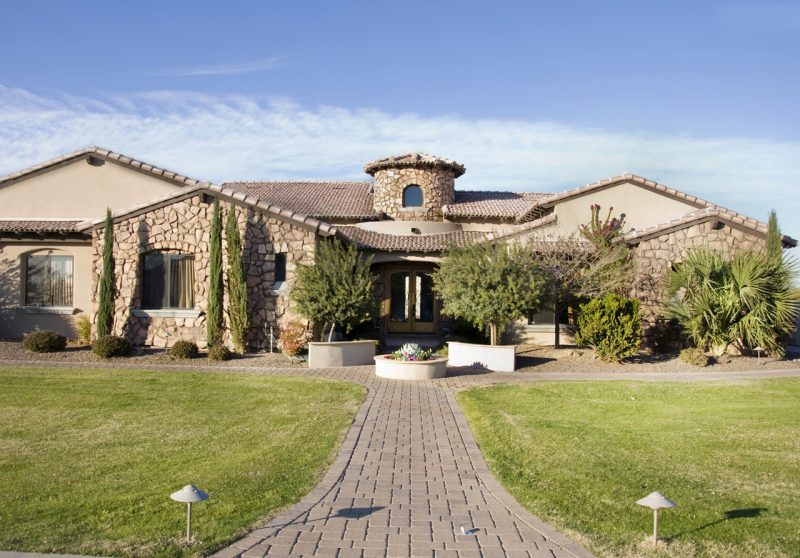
[{"x": 406, "y": 480}]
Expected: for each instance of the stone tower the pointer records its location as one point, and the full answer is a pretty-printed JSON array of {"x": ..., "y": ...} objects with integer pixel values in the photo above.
[{"x": 415, "y": 186}]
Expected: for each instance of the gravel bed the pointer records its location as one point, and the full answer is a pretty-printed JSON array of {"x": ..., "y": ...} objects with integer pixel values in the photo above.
[
  {"x": 12, "y": 350},
  {"x": 530, "y": 358}
]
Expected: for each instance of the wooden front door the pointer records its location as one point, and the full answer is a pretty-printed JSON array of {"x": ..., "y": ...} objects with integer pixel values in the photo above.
[{"x": 411, "y": 304}]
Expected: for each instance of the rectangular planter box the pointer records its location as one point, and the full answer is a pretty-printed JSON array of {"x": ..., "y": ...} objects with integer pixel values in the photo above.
[
  {"x": 498, "y": 358},
  {"x": 340, "y": 353}
]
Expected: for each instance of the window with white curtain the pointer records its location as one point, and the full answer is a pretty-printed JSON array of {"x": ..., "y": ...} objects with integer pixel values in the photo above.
[{"x": 48, "y": 280}]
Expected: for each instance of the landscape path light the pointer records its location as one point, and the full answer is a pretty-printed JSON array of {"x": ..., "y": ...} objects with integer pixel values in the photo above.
[
  {"x": 656, "y": 501},
  {"x": 188, "y": 495}
]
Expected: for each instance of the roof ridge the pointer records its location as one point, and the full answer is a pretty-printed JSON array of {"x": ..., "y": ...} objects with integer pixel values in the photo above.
[{"x": 297, "y": 182}]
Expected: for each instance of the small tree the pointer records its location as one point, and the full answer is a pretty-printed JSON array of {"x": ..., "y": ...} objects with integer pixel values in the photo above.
[
  {"x": 488, "y": 285},
  {"x": 603, "y": 233},
  {"x": 214, "y": 321},
  {"x": 611, "y": 326},
  {"x": 105, "y": 308},
  {"x": 237, "y": 287},
  {"x": 570, "y": 268},
  {"x": 339, "y": 288}
]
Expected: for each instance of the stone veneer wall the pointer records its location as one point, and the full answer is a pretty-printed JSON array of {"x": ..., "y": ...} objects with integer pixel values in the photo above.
[
  {"x": 184, "y": 227},
  {"x": 438, "y": 188},
  {"x": 655, "y": 256}
]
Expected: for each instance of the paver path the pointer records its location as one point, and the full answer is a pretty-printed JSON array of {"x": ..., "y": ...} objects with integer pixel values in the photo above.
[{"x": 406, "y": 480}]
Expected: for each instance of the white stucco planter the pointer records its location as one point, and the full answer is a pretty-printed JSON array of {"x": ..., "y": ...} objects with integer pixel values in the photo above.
[
  {"x": 410, "y": 369},
  {"x": 340, "y": 353},
  {"x": 498, "y": 358}
]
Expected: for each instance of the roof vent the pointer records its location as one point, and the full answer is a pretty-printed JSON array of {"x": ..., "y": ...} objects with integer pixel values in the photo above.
[{"x": 95, "y": 161}]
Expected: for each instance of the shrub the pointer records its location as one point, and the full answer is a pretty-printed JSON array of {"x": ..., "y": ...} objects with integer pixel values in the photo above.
[
  {"x": 215, "y": 323},
  {"x": 44, "y": 342},
  {"x": 293, "y": 338},
  {"x": 238, "y": 316},
  {"x": 105, "y": 308},
  {"x": 110, "y": 346},
  {"x": 695, "y": 357},
  {"x": 611, "y": 326},
  {"x": 84, "y": 326},
  {"x": 219, "y": 352},
  {"x": 183, "y": 349}
]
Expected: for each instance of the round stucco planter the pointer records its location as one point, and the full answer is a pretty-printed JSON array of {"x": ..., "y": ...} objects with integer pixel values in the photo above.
[
  {"x": 340, "y": 353},
  {"x": 410, "y": 369},
  {"x": 498, "y": 358}
]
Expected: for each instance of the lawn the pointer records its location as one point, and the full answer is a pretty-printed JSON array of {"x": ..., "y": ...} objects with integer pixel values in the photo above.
[
  {"x": 579, "y": 454},
  {"x": 88, "y": 458}
]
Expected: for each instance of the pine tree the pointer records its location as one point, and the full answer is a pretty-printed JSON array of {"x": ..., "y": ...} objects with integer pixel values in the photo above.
[
  {"x": 214, "y": 320},
  {"x": 237, "y": 288},
  {"x": 105, "y": 309}
]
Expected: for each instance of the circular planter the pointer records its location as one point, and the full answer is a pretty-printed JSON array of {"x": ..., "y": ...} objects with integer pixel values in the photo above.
[{"x": 410, "y": 369}]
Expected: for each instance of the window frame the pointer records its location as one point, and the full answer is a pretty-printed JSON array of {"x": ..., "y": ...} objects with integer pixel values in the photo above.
[
  {"x": 413, "y": 188},
  {"x": 25, "y": 289},
  {"x": 168, "y": 257}
]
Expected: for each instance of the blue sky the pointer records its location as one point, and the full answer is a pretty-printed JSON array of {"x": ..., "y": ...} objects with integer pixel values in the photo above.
[{"x": 701, "y": 96}]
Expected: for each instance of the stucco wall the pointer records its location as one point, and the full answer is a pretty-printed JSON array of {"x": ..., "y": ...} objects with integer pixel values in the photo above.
[
  {"x": 14, "y": 322},
  {"x": 643, "y": 208},
  {"x": 184, "y": 227},
  {"x": 80, "y": 190}
]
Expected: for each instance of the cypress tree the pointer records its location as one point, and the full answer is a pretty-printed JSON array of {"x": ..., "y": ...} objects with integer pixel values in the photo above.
[
  {"x": 105, "y": 309},
  {"x": 237, "y": 288},
  {"x": 214, "y": 322}
]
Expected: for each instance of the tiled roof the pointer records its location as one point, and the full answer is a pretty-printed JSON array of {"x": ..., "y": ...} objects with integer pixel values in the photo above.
[
  {"x": 523, "y": 228},
  {"x": 493, "y": 204},
  {"x": 371, "y": 240},
  {"x": 701, "y": 215},
  {"x": 342, "y": 200},
  {"x": 414, "y": 160},
  {"x": 40, "y": 225},
  {"x": 110, "y": 156}
]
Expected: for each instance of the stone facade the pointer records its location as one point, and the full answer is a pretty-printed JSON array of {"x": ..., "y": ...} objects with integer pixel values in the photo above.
[
  {"x": 183, "y": 227},
  {"x": 655, "y": 256},
  {"x": 438, "y": 189}
]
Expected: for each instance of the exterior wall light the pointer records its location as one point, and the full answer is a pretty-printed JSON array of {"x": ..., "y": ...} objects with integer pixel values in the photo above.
[
  {"x": 655, "y": 501},
  {"x": 188, "y": 495}
]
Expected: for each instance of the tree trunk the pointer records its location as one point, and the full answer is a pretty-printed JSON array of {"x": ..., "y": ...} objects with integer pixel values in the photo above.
[
  {"x": 493, "y": 334},
  {"x": 330, "y": 333},
  {"x": 556, "y": 327}
]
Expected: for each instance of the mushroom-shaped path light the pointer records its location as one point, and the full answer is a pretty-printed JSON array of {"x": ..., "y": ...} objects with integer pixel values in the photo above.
[
  {"x": 189, "y": 494},
  {"x": 656, "y": 501}
]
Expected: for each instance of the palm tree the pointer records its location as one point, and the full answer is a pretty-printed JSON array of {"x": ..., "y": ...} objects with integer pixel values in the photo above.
[{"x": 746, "y": 300}]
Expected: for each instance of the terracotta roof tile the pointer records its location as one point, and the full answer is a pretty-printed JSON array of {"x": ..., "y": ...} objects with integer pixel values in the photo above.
[
  {"x": 371, "y": 240},
  {"x": 414, "y": 160},
  {"x": 40, "y": 225},
  {"x": 493, "y": 204},
  {"x": 342, "y": 200}
]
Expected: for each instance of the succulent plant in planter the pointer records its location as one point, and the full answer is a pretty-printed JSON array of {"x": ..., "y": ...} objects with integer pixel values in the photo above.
[{"x": 412, "y": 352}]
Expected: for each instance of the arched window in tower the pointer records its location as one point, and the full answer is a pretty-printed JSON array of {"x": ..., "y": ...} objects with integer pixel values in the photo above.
[{"x": 412, "y": 196}]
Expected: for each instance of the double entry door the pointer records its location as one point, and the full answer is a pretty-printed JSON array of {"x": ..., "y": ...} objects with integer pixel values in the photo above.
[{"x": 411, "y": 302}]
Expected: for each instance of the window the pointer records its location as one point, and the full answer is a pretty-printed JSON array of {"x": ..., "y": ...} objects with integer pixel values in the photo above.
[
  {"x": 412, "y": 196},
  {"x": 48, "y": 281},
  {"x": 280, "y": 268},
  {"x": 168, "y": 281}
]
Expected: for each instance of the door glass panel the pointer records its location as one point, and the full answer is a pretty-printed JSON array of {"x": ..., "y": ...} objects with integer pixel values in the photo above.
[
  {"x": 423, "y": 311},
  {"x": 399, "y": 287}
]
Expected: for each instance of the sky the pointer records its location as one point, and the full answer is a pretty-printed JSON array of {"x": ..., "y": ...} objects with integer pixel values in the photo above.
[{"x": 528, "y": 95}]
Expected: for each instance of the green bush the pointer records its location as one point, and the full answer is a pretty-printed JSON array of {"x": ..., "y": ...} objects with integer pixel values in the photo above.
[
  {"x": 611, "y": 326},
  {"x": 84, "y": 326},
  {"x": 184, "y": 349},
  {"x": 695, "y": 357},
  {"x": 112, "y": 346},
  {"x": 219, "y": 352},
  {"x": 44, "y": 342}
]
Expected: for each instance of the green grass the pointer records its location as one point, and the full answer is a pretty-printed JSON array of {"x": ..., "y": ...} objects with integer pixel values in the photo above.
[
  {"x": 579, "y": 454},
  {"x": 88, "y": 458}
]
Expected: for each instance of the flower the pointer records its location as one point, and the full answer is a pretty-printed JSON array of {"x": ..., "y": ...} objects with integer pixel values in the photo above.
[{"x": 412, "y": 352}]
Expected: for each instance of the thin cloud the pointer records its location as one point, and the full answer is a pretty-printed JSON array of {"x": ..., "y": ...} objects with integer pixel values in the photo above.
[
  {"x": 226, "y": 69},
  {"x": 238, "y": 137}
]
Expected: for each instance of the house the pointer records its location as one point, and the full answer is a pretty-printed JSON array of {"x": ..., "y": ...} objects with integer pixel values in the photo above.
[{"x": 407, "y": 214}]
